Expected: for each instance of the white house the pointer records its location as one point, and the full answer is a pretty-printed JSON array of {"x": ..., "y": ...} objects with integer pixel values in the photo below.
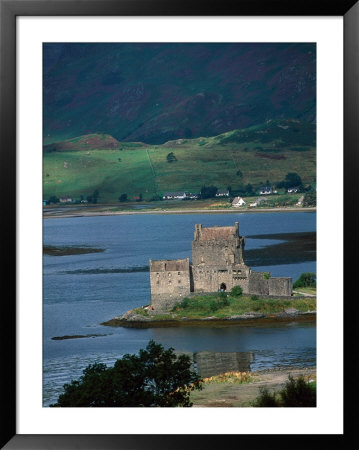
[
  {"x": 265, "y": 190},
  {"x": 292, "y": 190},
  {"x": 222, "y": 193},
  {"x": 65, "y": 200},
  {"x": 174, "y": 195},
  {"x": 238, "y": 201}
]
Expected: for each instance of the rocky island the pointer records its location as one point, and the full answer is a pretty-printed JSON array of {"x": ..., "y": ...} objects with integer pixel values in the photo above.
[{"x": 218, "y": 287}]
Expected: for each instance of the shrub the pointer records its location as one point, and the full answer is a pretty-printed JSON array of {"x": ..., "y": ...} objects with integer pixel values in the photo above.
[
  {"x": 266, "y": 276},
  {"x": 254, "y": 297},
  {"x": 224, "y": 299},
  {"x": 236, "y": 291},
  {"x": 182, "y": 305},
  {"x": 266, "y": 399},
  {"x": 296, "y": 393},
  {"x": 214, "y": 306}
]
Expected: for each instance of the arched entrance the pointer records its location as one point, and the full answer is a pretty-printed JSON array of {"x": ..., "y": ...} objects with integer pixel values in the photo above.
[{"x": 223, "y": 287}]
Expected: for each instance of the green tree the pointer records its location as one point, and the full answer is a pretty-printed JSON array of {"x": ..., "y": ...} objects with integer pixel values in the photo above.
[
  {"x": 95, "y": 196},
  {"x": 208, "y": 191},
  {"x": 292, "y": 179},
  {"x": 171, "y": 157},
  {"x": 53, "y": 199},
  {"x": 307, "y": 279},
  {"x": 123, "y": 197},
  {"x": 154, "y": 377}
]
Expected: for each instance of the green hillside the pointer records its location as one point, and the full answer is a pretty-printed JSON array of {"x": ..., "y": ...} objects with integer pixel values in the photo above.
[
  {"x": 236, "y": 158},
  {"x": 155, "y": 92}
]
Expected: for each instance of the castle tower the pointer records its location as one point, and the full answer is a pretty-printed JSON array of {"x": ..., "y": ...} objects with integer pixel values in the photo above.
[
  {"x": 217, "y": 259},
  {"x": 216, "y": 246},
  {"x": 170, "y": 282}
]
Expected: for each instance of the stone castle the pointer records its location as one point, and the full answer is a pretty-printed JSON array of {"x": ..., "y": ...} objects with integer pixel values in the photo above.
[{"x": 217, "y": 265}]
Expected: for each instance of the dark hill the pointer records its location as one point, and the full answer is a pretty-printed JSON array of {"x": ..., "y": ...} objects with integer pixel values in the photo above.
[
  {"x": 87, "y": 142},
  {"x": 159, "y": 92}
]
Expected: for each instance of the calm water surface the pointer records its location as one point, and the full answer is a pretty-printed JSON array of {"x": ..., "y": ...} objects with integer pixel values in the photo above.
[{"x": 81, "y": 291}]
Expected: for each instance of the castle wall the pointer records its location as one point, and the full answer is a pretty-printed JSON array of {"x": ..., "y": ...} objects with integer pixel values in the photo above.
[
  {"x": 280, "y": 286},
  {"x": 208, "y": 278},
  {"x": 259, "y": 285},
  {"x": 170, "y": 282}
]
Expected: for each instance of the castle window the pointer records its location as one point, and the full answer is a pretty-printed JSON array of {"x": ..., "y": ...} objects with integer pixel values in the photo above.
[
  {"x": 179, "y": 273},
  {"x": 179, "y": 281}
]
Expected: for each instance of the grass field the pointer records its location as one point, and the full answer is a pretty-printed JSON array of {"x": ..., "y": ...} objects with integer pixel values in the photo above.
[{"x": 233, "y": 159}]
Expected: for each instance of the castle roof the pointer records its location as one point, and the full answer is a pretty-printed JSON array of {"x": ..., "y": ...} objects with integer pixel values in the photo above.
[
  {"x": 216, "y": 233},
  {"x": 170, "y": 265}
]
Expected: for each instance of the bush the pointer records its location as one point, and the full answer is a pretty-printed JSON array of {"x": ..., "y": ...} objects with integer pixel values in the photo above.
[
  {"x": 214, "y": 306},
  {"x": 254, "y": 297},
  {"x": 154, "y": 377},
  {"x": 296, "y": 393},
  {"x": 236, "y": 291},
  {"x": 307, "y": 279}
]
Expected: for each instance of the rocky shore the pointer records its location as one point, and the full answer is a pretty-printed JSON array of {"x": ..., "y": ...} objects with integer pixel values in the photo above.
[{"x": 132, "y": 319}]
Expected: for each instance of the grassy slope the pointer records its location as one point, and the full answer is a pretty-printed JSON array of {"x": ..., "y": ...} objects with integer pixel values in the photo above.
[{"x": 260, "y": 153}]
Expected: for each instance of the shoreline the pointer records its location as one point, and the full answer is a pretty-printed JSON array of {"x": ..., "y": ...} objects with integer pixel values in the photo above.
[
  {"x": 136, "y": 321},
  {"x": 48, "y": 214},
  {"x": 227, "y": 394}
]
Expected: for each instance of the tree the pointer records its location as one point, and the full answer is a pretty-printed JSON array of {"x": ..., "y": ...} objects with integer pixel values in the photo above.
[
  {"x": 292, "y": 179},
  {"x": 307, "y": 279},
  {"x": 154, "y": 377},
  {"x": 249, "y": 189},
  {"x": 208, "y": 191},
  {"x": 53, "y": 199},
  {"x": 171, "y": 157},
  {"x": 123, "y": 197},
  {"x": 93, "y": 198}
]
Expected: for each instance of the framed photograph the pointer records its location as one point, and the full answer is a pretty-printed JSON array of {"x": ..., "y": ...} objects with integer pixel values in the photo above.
[{"x": 140, "y": 142}]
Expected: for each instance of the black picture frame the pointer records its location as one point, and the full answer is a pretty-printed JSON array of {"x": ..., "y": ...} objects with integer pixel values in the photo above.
[{"x": 9, "y": 10}]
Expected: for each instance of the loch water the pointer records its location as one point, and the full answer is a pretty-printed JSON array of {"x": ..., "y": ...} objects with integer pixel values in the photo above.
[{"x": 81, "y": 291}]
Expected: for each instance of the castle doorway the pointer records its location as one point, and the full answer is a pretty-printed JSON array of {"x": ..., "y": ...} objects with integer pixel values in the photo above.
[{"x": 223, "y": 287}]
